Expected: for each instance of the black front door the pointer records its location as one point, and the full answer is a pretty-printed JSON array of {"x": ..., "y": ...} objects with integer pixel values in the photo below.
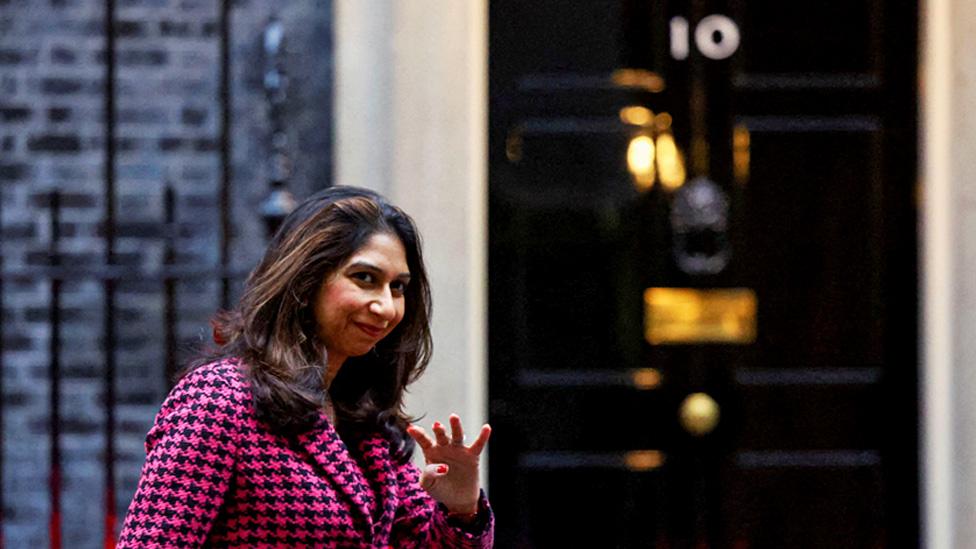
[{"x": 702, "y": 260}]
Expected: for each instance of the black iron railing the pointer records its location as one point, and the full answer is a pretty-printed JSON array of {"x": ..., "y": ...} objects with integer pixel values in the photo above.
[{"x": 110, "y": 274}]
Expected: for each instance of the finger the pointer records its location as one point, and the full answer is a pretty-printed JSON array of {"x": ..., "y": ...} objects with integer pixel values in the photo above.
[
  {"x": 418, "y": 434},
  {"x": 479, "y": 444},
  {"x": 441, "y": 434},
  {"x": 430, "y": 474},
  {"x": 457, "y": 432}
]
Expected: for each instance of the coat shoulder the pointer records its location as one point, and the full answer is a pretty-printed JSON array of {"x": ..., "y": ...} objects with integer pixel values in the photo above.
[
  {"x": 221, "y": 382},
  {"x": 226, "y": 373}
]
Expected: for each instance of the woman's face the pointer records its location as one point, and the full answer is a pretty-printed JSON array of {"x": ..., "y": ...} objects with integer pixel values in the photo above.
[{"x": 363, "y": 300}]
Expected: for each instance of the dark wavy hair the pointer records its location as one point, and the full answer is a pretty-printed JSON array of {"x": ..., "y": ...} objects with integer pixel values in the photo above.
[{"x": 273, "y": 329}]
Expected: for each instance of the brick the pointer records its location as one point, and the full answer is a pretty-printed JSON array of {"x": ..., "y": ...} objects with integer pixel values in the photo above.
[
  {"x": 168, "y": 144},
  {"x": 126, "y": 144},
  {"x": 195, "y": 230},
  {"x": 86, "y": 27},
  {"x": 141, "y": 171},
  {"x": 12, "y": 231},
  {"x": 141, "y": 116},
  {"x": 58, "y": 114},
  {"x": 39, "y": 425},
  {"x": 94, "y": 142},
  {"x": 73, "y": 230},
  {"x": 37, "y": 314},
  {"x": 151, "y": 58},
  {"x": 17, "y": 342},
  {"x": 10, "y": 113},
  {"x": 61, "y": 86},
  {"x": 80, "y": 286},
  {"x": 130, "y": 29},
  {"x": 82, "y": 259},
  {"x": 63, "y": 56},
  {"x": 54, "y": 143},
  {"x": 197, "y": 202},
  {"x": 175, "y": 28},
  {"x": 81, "y": 371},
  {"x": 71, "y": 172},
  {"x": 75, "y": 425},
  {"x": 132, "y": 426},
  {"x": 138, "y": 397},
  {"x": 23, "y": 286},
  {"x": 144, "y": 229},
  {"x": 123, "y": 314},
  {"x": 206, "y": 144},
  {"x": 131, "y": 344},
  {"x": 133, "y": 203},
  {"x": 194, "y": 117},
  {"x": 14, "y": 172},
  {"x": 190, "y": 86},
  {"x": 41, "y": 258},
  {"x": 15, "y": 399},
  {"x": 198, "y": 174},
  {"x": 139, "y": 287},
  {"x": 184, "y": 257},
  {"x": 146, "y": 3},
  {"x": 192, "y": 5},
  {"x": 133, "y": 259},
  {"x": 10, "y": 57},
  {"x": 68, "y": 200},
  {"x": 8, "y": 84}
]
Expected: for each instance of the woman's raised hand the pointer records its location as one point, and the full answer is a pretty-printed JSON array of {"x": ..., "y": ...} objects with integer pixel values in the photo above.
[{"x": 451, "y": 474}]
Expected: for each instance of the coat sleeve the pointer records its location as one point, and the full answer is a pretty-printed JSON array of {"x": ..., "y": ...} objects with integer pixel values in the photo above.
[
  {"x": 422, "y": 522},
  {"x": 190, "y": 454}
]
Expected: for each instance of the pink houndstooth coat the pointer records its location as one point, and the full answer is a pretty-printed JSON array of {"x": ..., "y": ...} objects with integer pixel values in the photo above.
[{"x": 216, "y": 476}]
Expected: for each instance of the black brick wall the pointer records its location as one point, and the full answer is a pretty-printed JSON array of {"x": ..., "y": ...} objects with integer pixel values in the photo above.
[{"x": 52, "y": 137}]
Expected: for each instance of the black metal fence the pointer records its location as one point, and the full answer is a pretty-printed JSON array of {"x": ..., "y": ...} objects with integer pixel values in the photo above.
[{"x": 110, "y": 274}]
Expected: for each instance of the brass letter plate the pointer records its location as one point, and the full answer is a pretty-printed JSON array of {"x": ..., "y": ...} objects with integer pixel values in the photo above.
[{"x": 692, "y": 315}]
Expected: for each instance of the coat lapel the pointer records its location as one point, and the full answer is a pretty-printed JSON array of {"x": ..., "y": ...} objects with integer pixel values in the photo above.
[
  {"x": 374, "y": 458},
  {"x": 323, "y": 444}
]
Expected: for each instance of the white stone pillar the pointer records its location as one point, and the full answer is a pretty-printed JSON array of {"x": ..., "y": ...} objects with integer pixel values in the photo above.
[
  {"x": 948, "y": 144},
  {"x": 363, "y": 104},
  {"x": 936, "y": 278},
  {"x": 436, "y": 136}
]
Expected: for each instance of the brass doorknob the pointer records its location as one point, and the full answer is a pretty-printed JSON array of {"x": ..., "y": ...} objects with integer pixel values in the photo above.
[{"x": 699, "y": 414}]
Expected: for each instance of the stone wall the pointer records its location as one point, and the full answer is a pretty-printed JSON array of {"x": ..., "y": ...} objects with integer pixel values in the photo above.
[{"x": 52, "y": 86}]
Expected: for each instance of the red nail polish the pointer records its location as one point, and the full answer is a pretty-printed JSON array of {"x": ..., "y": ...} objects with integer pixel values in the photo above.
[
  {"x": 437, "y": 425},
  {"x": 442, "y": 468}
]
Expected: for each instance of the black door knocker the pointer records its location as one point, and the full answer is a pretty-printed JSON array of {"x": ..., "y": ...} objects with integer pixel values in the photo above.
[{"x": 699, "y": 227}]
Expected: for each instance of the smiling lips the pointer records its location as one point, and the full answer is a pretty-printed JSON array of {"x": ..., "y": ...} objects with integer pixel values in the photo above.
[{"x": 372, "y": 331}]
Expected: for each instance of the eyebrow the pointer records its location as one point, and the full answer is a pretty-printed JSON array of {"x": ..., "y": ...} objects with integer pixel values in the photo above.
[{"x": 371, "y": 267}]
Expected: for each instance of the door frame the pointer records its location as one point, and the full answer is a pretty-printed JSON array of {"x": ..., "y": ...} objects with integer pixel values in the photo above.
[
  {"x": 943, "y": 132},
  {"x": 946, "y": 453}
]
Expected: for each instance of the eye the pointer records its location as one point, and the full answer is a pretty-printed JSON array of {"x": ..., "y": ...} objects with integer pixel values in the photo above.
[
  {"x": 364, "y": 277},
  {"x": 398, "y": 287}
]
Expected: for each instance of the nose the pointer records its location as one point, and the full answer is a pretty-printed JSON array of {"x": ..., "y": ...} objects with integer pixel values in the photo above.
[{"x": 383, "y": 306}]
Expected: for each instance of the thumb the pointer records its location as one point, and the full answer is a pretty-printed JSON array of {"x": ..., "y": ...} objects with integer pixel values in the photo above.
[{"x": 431, "y": 473}]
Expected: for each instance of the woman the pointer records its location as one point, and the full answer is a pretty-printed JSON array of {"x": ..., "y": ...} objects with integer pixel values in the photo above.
[{"x": 292, "y": 432}]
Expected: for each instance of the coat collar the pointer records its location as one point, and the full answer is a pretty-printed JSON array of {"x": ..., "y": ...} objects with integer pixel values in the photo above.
[
  {"x": 323, "y": 444},
  {"x": 372, "y": 499},
  {"x": 374, "y": 458}
]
